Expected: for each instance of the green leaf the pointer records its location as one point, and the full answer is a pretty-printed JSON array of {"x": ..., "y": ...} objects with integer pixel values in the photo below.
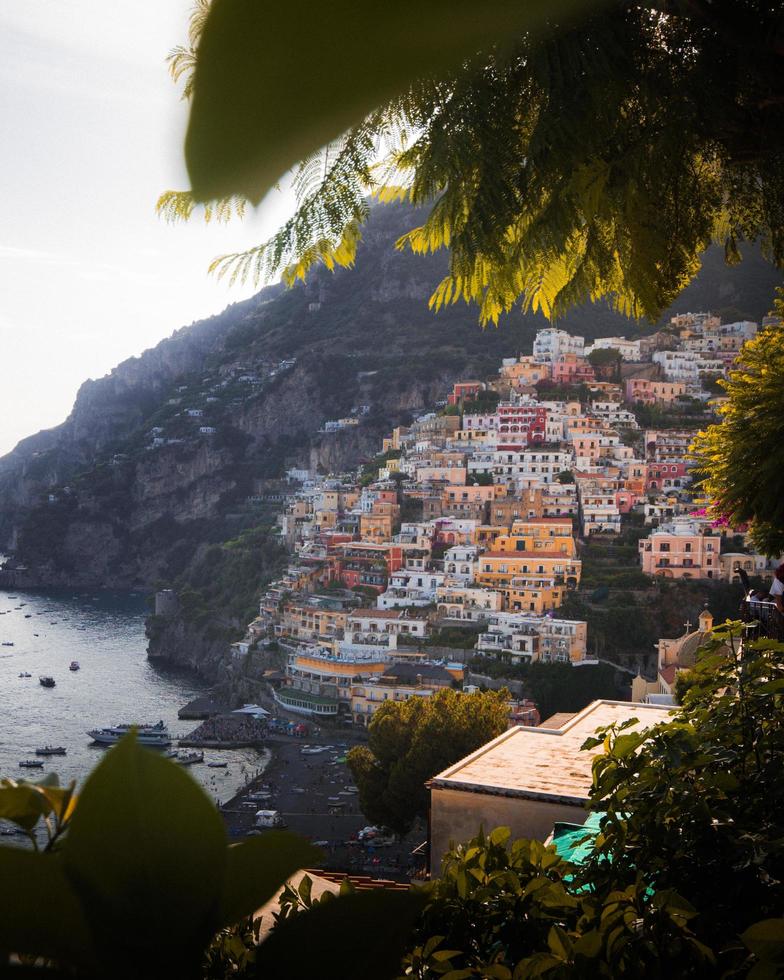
[
  {"x": 146, "y": 854},
  {"x": 257, "y": 868},
  {"x": 766, "y": 939},
  {"x": 22, "y": 804},
  {"x": 272, "y": 84},
  {"x": 39, "y": 912},
  {"x": 500, "y": 835},
  {"x": 351, "y": 938}
]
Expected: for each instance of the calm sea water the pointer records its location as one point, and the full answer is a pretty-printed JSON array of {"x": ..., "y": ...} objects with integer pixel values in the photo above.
[{"x": 104, "y": 632}]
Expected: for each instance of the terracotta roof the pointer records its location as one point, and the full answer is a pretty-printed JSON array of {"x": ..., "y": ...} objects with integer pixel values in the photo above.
[
  {"x": 667, "y": 674},
  {"x": 381, "y": 614}
]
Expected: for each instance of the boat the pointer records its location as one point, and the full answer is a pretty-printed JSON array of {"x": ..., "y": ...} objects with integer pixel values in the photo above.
[
  {"x": 153, "y": 736},
  {"x": 28, "y": 615},
  {"x": 51, "y": 750},
  {"x": 7, "y": 643},
  {"x": 46, "y": 681},
  {"x": 25, "y": 673},
  {"x": 189, "y": 758},
  {"x": 31, "y": 764},
  {"x": 74, "y": 665},
  {"x": 217, "y": 765}
]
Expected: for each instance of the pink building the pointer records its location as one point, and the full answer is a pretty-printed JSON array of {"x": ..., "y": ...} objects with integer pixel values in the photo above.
[
  {"x": 683, "y": 549},
  {"x": 571, "y": 369},
  {"x": 465, "y": 390},
  {"x": 625, "y": 500},
  {"x": 524, "y": 424},
  {"x": 666, "y": 476},
  {"x": 653, "y": 392}
]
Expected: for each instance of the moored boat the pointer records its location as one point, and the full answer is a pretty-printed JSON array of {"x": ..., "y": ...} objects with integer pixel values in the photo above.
[
  {"x": 51, "y": 750},
  {"x": 74, "y": 665},
  {"x": 46, "y": 681},
  {"x": 153, "y": 736},
  {"x": 189, "y": 758},
  {"x": 31, "y": 764}
]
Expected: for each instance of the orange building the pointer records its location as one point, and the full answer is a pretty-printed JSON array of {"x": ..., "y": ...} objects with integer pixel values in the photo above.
[{"x": 520, "y": 571}]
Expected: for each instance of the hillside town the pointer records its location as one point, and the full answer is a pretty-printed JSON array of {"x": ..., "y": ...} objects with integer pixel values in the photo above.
[{"x": 473, "y": 519}]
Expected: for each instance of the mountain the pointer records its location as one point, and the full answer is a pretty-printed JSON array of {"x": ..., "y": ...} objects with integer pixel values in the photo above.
[{"x": 128, "y": 492}]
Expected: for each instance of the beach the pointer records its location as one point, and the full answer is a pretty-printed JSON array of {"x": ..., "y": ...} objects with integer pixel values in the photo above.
[{"x": 312, "y": 794}]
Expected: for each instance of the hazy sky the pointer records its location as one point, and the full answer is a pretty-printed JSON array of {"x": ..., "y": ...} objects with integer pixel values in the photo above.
[{"x": 90, "y": 133}]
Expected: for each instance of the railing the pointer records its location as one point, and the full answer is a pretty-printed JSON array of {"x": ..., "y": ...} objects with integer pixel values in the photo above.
[{"x": 763, "y": 618}]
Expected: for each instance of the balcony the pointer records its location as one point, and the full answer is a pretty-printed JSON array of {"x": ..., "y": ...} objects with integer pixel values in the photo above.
[{"x": 763, "y": 619}]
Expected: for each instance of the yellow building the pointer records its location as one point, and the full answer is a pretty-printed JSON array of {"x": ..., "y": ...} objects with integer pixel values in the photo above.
[
  {"x": 526, "y": 572},
  {"x": 540, "y": 534},
  {"x": 310, "y": 621},
  {"x": 535, "y": 595}
]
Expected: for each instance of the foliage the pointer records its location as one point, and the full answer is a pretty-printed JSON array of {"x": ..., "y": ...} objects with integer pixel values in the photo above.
[
  {"x": 483, "y": 403},
  {"x": 740, "y": 459},
  {"x": 565, "y": 476},
  {"x": 136, "y": 880},
  {"x": 458, "y": 637},
  {"x": 696, "y": 803},
  {"x": 516, "y": 911},
  {"x": 413, "y": 740},
  {"x": 242, "y": 137},
  {"x": 223, "y": 583},
  {"x": 554, "y": 687},
  {"x": 597, "y": 158},
  {"x": 685, "y": 875}
]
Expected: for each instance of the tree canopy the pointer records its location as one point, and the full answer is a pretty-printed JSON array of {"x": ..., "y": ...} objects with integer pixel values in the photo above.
[
  {"x": 411, "y": 741},
  {"x": 740, "y": 460},
  {"x": 595, "y": 154}
]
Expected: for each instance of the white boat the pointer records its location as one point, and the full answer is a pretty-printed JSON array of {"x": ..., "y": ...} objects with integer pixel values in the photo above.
[
  {"x": 189, "y": 758},
  {"x": 153, "y": 736}
]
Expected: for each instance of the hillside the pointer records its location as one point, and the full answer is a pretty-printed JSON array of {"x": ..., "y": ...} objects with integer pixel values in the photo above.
[{"x": 128, "y": 491}]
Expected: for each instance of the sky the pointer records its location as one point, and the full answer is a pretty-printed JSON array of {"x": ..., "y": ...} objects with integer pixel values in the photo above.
[{"x": 91, "y": 132}]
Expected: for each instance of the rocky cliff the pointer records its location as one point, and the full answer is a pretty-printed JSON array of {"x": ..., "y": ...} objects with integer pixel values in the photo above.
[{"x": 158, "y": 461}]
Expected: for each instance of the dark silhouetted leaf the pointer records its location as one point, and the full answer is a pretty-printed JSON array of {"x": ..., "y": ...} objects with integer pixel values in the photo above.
[
  {"x": 257, "y": 868},
  {"x": 352, "y": 938},
  {"x": 146, "y": 849},
  {"x": 39, "y": 912},
  {"x": 275, "y": 81}
]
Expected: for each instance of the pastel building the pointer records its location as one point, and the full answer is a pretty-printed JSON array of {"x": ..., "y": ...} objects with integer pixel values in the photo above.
[
  {"x": 682, "y": 549},
  {"x": 550, "y": 343},
  {"x": 654, "y": 392}
]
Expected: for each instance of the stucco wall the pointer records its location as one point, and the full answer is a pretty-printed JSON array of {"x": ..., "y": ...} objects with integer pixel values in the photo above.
[{"x": 457, "y": 815}]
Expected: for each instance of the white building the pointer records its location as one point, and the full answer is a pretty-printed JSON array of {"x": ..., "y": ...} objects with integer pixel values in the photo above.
[
  {"x": 550, "y": 343},
  {"x": 687, "y": 365},
  {"x": 521, "y": 469},
  {"x": 527, "y": 637},
  {"x": 628, "y": 349}
]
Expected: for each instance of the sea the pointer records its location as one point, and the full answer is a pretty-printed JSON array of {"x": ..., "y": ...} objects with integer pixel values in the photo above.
[{"x": 40, "y": 634}]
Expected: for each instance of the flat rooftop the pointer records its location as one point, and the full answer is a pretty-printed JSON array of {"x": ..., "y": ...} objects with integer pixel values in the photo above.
[{"x": 544, "y": 763}]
